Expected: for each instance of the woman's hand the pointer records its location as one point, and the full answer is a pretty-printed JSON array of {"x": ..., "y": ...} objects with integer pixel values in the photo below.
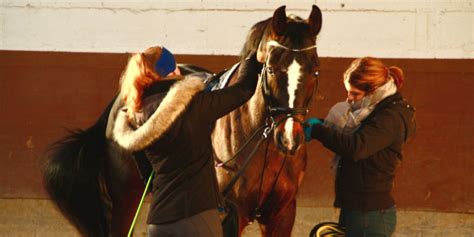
[{"x": 308, "y": 127}]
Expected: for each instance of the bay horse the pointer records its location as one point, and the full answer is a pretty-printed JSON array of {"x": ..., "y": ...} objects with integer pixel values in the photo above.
[
  {"x": 96, "y": 184},
  {"x": 266, "y": 190}
]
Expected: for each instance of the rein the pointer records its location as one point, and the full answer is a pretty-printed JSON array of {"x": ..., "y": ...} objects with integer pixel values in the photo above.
[{"x": 267, "y": 130}]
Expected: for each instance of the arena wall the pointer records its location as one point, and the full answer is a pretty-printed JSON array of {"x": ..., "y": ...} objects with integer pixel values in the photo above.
[{"x": 351, "y": 28}]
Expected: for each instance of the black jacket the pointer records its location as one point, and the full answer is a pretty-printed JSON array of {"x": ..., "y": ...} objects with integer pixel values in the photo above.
[{"x": 370, "y": 156}]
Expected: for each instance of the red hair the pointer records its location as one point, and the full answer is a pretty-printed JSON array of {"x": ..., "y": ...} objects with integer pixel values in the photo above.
[
  {"x": 368, "y": 73},
  {"x": 137, "y": 76}
]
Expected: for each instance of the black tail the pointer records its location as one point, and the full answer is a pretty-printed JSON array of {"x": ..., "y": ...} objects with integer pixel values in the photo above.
[{"x": 71, "y": 175}]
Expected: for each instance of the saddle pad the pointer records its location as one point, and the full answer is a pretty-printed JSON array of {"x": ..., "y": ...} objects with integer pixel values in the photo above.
[{"x": 221, "y": 80}]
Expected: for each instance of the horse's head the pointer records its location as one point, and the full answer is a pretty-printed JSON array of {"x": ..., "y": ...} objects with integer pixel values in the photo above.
[{"x": 287, "y": 47}]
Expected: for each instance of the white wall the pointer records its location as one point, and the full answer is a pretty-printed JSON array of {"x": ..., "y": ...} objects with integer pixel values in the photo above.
[{"x": 351, "y": 28}]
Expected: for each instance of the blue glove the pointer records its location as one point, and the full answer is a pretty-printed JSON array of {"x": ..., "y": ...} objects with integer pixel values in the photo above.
[{"x": 308, "y": 127}]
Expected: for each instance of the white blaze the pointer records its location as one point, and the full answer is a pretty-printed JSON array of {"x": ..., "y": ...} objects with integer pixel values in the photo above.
[{"x": 294, "y": 74}]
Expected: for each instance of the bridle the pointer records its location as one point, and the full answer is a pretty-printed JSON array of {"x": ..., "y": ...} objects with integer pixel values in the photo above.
[{"x": 273, "y": 110}]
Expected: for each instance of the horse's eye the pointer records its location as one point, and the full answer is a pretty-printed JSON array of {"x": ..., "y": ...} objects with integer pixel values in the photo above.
[
  {"x": 316, "y": 74},
  {"x": 270, "y": 71}
]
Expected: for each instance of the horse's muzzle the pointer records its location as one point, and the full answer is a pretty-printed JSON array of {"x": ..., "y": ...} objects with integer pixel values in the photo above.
[{"x": 286, "y": 144}]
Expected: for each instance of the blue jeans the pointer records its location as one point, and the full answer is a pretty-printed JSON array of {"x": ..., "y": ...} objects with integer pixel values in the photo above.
[{"x": 380, "y": 223}]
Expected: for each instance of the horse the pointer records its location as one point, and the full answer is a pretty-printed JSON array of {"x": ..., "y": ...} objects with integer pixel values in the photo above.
[
  {"x": 266, "y": 190},
  {"x": 96, "y": 184}
]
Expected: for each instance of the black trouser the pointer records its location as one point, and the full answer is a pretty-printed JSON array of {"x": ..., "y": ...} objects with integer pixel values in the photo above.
[{"x": 203, "y": 224}]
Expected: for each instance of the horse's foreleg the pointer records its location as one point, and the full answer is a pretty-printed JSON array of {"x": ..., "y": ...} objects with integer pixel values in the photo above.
[
  {"x": 123, "y": 212},
  {"x": 280, "y": 221}
]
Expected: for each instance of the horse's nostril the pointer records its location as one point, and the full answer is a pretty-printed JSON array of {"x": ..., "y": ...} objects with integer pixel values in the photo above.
[
  {"x": 282, "y": 143},
  {"x": 281, "y": 139},
  {"x": 297, "y": 140}
]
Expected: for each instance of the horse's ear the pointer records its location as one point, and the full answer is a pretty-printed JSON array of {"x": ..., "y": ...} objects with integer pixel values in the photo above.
[
  {"x": 315, "y": 20},
  {"x": 279, "y": 21},
  {"x": 279, "y": 26}
]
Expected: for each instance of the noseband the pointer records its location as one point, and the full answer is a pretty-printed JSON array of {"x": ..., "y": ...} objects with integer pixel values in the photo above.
[{"x": 278, "y": 110}]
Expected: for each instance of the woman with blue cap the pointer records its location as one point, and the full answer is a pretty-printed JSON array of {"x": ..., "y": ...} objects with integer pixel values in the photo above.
[{"x": 171, "y": 120}]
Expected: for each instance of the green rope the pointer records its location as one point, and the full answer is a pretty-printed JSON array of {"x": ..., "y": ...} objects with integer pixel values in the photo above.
[{"x": 140, "y": 204}]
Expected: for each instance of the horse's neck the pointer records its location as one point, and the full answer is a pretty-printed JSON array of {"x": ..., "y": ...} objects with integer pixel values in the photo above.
[
  {"x": 233, "y": 130},
  {"x": 253, "y": 112}
]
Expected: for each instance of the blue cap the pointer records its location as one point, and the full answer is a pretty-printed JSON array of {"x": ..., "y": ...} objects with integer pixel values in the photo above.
[{"x": 166, "y": 64}]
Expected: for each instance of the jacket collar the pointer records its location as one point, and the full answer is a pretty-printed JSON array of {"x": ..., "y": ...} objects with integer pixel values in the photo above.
[
  {"x": 172, "y": 106},
  {"x": 384, "y": 103},
  {"x": 389, "y": 99}
]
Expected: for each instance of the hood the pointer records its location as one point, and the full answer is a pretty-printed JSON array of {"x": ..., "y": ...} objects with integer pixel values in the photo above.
[{"x": 171, "y": 107}]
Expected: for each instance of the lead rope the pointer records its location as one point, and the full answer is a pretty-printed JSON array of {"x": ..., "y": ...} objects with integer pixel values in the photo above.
[{"x": 132, "y": 226}]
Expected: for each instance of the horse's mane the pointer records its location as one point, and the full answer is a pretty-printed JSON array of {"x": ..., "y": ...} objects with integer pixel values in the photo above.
[{"x": 254, "y": 37}]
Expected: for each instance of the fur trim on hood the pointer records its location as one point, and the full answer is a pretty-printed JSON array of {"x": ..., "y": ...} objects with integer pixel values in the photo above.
[{"x": 173, "y": 105}]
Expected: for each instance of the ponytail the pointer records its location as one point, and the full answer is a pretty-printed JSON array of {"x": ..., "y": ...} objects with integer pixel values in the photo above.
[
  {"x": 397, "y": 74},
  {"x": 136, "y": 77},
  {"x": 369, "y": 73}
]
